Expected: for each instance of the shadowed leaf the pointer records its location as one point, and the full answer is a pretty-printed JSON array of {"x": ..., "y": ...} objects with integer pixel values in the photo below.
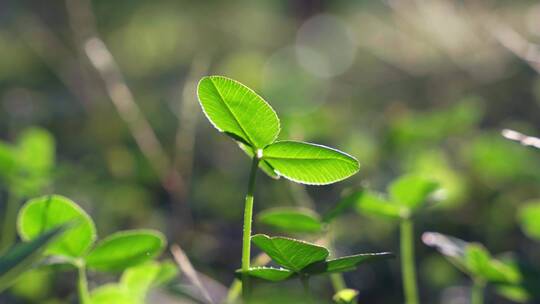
[
  {"x": 22, "y": 256},
  {"x": 268, "y": 273},
  {"x": 344, "y": 264},
  {"x": 290, "y": 253}
]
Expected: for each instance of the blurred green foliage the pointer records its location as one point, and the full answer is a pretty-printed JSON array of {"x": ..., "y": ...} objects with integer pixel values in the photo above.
[{"x": 427, "y": 91}]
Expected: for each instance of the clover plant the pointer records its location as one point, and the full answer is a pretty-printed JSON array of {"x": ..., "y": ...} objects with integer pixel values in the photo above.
[
  {"x": 303, "y": 259},
  {"x": 300, "y": 220},
  {"x": 25, "y": 169},
  {"x": 239, "y": 112},
  {"x": 77, "y": 246},
  {"x": 474, "y": 260},
  {"x": 406, "y": 196}
]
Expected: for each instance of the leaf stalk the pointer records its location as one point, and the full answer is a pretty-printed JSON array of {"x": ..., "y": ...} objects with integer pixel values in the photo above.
[
  {"x": 408, "y": 267},
  {"x": 248, "y": 218},
  {"x": 477, "y": 291},
  {"x": 84, "y": 295}
]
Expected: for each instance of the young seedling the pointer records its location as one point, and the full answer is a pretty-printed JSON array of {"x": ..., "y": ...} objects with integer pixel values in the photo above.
[
  {"x": 475, "y": 261},
  {"x": 25, "y": 169},
  {"x": 239, "y": 112},
  {"x": 297, "y": 220},
  {"x": 75, "y": 246},
  {"x": 406, "y": 195},
  {"x": 300, "y": 259}
]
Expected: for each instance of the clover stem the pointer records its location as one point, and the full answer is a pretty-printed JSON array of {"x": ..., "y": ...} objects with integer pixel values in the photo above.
[
  {"x": 337, "y": 280},
  {"x": 248, "y": 215},
  {"x": 477, "y": 291},
  {"x": 338, "y": 283},
  {"x": 10, "y": 218},
  {"x": 408, "y": 268},
  {"x": 305, "y": 284},
  {"x": 84, "y": 296}
]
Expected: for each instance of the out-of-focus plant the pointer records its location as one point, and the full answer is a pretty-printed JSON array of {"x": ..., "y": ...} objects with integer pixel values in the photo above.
[
  {"x": 25, "y": 169},
  {"x": 134, "y": 284},
  {"x": 75, "y": 247},
  {"x": 406, "y": 196},
  {"x": 239, "y": 112},
  {"x": 475, "y": 261},
  {"x": 411, "y": 129},
  {"x": 529, "y": 217}
]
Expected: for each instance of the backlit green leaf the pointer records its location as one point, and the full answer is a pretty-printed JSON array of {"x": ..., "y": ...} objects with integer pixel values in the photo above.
[
  {"x": 141, "y": 278},
  {"x": 374, "y": 204},
  {"x": 44, "y": 213},
  {"x": 411, "y": 190},
  {"x": 346, "y": 296},
  {"x": 290, "y": 253},
  {"x": 479, "y": 262},
  {"x": 31, "y": 162},
  {"x": 308, "y": 163},
  {"x": 291, "y": 220},
  {"x": 7, "y": 160},
  {"x": 529, "y": 217},
  {"x": 22, "y": 256},
  {"x": 36, "y": 149},
  {"x": 112, "y": 293},
  {"x": 268, "y": 273},
  {"x": 238, "y": 111},
  {"x": 124, "y": 249},
  {"x": 344, "y": 264},
  {"x": 515, "y": 293}
]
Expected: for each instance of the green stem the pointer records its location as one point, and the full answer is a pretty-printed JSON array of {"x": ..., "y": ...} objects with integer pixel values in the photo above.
[
  {"x": 477, "y": 292},
  {"x": 84, "y": 295},
  {"x": 305, "y": 285},
  {"x": 234, "y": 292},
  {"x": 408, "y": 268},
  {"x": 9, "y": 233},
  {"x": 338, "y": 283},
  {"x": 248, "y": 216}
]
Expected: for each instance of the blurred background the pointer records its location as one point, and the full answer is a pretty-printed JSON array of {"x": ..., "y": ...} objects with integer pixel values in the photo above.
[{"x": 405, "y": 86}]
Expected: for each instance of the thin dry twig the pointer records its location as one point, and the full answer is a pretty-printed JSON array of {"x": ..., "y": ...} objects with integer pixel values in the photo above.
[
  {"x": 123, "y": 100},
  {"x": 187, "y": 122},
  {"x": 185, "y": 265},
  {"x": 101, "y": 59},
  {"x": 513, "y": 41},
  {"x": 523, "y": 139}
]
